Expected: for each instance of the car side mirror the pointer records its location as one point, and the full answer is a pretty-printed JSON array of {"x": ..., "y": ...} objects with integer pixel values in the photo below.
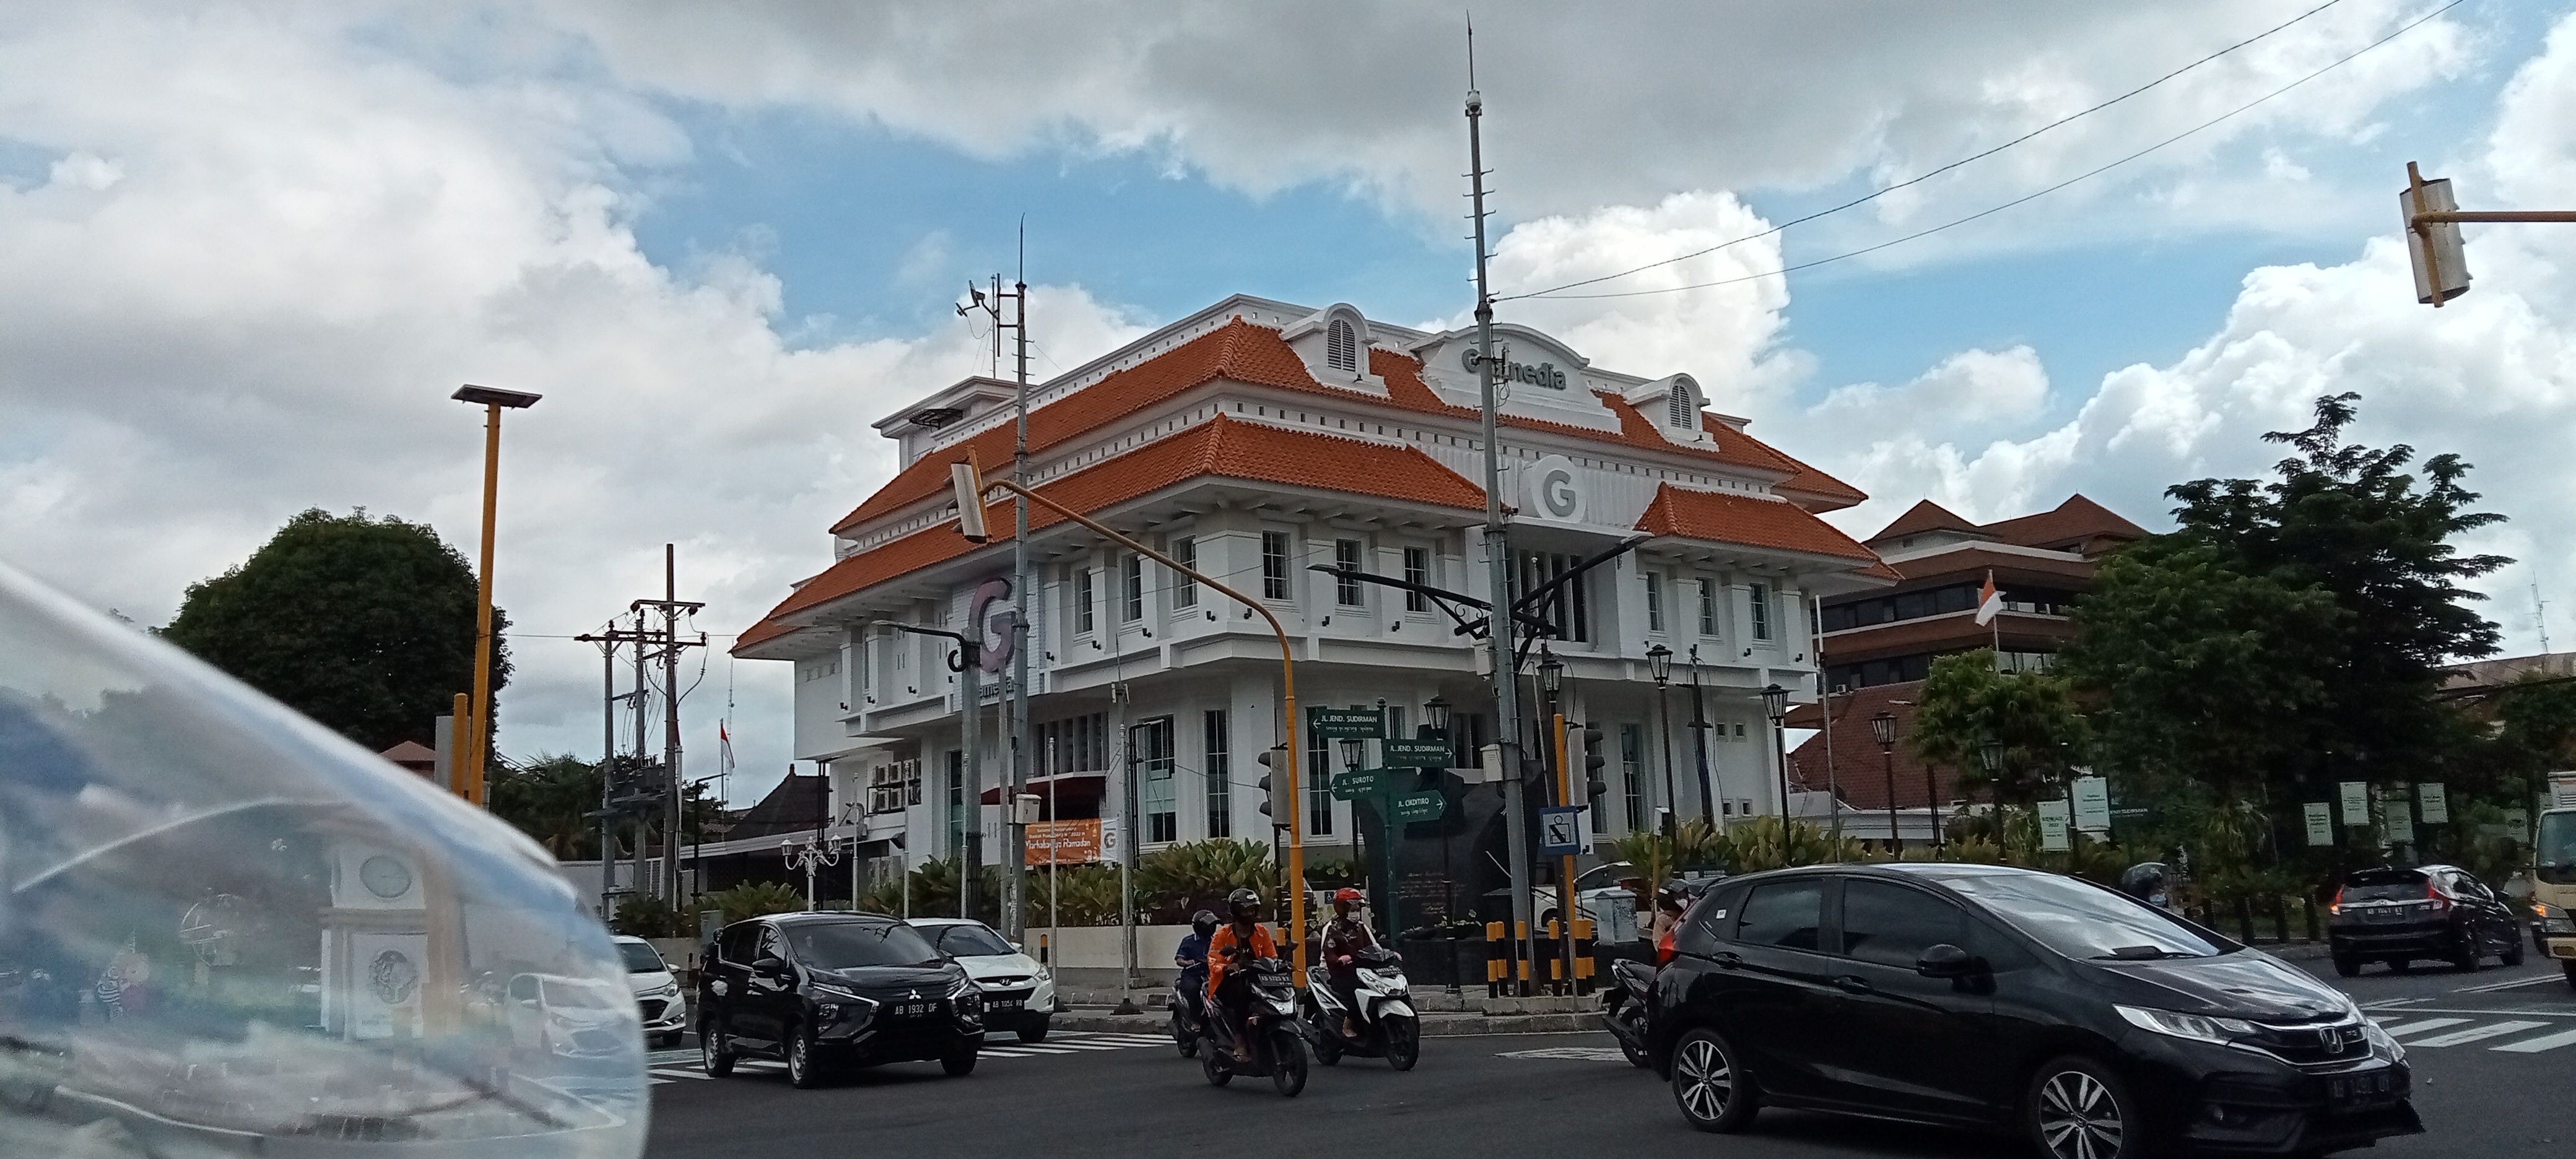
[
  {"x": 1947, "y": 961},
  {"x": 769, "y": 966}
]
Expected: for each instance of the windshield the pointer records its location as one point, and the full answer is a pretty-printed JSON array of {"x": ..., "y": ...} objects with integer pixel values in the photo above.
[
  {"x": 2555, "y": 858},
  {"x": 564, "y": 992},
  {"x": 845, "y": 945},
  {"x": 641, "y": 958},
  {"x": 2083, "y": 920},
  {"x": 2386, "y": 885},
  {"x": 972, "y": 942}
]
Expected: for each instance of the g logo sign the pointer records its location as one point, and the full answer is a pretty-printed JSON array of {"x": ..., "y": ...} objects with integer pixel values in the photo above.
[{"x": 1555, "y": 490}]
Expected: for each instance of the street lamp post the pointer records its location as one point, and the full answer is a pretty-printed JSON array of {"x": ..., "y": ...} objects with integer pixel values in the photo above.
[
  {"x": 1775, "y": 703},
  {"x": 1659, "y": 664},
  {"x": 1699, "y": 726},
  {"x": 469, "y": 765},
  {"x": 1991, "y": 755},
  {"x": 1882, "y": 728}
]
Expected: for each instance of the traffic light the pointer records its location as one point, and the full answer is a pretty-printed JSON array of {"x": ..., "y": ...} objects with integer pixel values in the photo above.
[
  {"x": 1274, "y": 784},
  {"x": 1593, "y": 785},
  {"x": 2433, "y": 247}
]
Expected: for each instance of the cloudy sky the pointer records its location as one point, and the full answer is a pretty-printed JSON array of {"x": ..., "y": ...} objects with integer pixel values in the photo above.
[{"x": 247, "y": 250}]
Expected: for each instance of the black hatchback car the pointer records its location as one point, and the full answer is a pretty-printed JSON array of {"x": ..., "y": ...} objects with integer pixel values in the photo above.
[
  {"x": 2431, "y": 911},
  {"x": 821, "y": 989},
  {"x": 1984, "y": 996}
]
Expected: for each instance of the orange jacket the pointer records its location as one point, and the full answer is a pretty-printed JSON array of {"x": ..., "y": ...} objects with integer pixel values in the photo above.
[{"x": 1224, "y": 941}]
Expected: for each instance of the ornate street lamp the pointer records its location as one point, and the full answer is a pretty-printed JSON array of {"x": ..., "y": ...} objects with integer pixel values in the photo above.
[
  {"x": 1775, "y": 704},
  {"x": 1551, "y": 671},
  {"x": 1882, "y": 728},
  {"x": 1435, "y": 713},
  {"x": 1659, "y": 664}
]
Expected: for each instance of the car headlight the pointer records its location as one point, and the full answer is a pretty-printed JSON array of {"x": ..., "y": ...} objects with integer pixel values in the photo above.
[
  {"x": 669, "y": 989},
  {"x": 2197, "y": 1027},
  {"x": 2385, "y": 1042},
  {"x": 839, "y": 994}
]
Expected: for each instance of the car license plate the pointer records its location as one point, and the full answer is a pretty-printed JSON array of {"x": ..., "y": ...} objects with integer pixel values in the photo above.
[
  {"x": 914, "y": 1009},
  {"x": 2360, "y": 1089},
  {"x": 1008, "y": 1003},
  {"x": 2383, "y": 915}
]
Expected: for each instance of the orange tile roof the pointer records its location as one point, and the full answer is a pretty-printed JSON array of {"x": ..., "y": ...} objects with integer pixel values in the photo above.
[
  {"x": 1224, "y": 447},
  {"x": 1745, "y": 519},
  {"x": 1925, "y": 515},
  {"x": 2077, "y": 518},
  {"x": 1246, "y": 352}
]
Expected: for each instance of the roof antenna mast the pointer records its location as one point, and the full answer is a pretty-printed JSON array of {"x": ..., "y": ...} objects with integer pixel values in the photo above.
[{"x": 1498, "y": 564}]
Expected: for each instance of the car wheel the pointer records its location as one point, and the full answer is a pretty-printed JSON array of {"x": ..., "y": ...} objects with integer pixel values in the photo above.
[
  {"x": 2513, "y": 952},
  {"x": 2466, "y": 960},
  {"x": 715, "y": 1050},
  {"x": 1035, "y": 1031},
  {"x": 2346, "y": 966},
  {"x": 801, "y": 1071},
  {"x": 1712, "y": 1093},
  {"x": 959, "y": 1064},
  {"x": 2078, "y": 1109}
]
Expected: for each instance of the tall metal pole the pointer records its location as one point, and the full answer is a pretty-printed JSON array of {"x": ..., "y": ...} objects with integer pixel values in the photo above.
[
  {"x": 671, "y": 723},
  {"x": 1699, "y": 729},
  {"x": 970, "y": 728},
  {"x": 1498, "y": 562},
  {"x": 481, "y": 730},
  {"x": 1015, "y": 920},
  {"x": 1672, "y": 795},
  {"x": 1895, "y": 837},
  {"x": 1126, "y": 765},
  {"x": 607, "y": 750},
  {"x": 644, "y": 887}
]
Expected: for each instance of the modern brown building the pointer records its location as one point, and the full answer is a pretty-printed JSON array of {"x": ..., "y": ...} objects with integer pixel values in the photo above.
[{"x": 1878, "y": 646}]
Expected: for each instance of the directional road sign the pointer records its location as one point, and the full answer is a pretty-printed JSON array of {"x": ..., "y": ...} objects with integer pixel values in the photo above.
[
  {"x": 1427, "y": 805},
  {"x": 1414, "y": 754},
  {"x": 1354, "y": 784},
  {"x": 1346, "y": 723}
]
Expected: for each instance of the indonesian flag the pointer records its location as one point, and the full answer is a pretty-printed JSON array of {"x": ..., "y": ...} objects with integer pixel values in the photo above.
[{"x": 1989, "y": 601}]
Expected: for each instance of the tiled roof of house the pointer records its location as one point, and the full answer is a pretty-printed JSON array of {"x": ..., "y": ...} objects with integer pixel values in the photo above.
[
  {"x": 1246, "y": 352},
  {"x": 1749, "y": 520},
  {"x": 798, "y": 802},
  {"x": 1925, "y": 515},
  {"x": 2078, "y": 518},
  {"x": 1223, "y": 447},
  {"x": 1860, "y": 768}
]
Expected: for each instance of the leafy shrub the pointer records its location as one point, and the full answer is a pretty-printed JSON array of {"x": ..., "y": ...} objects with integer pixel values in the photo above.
[{"x": 755, "y": 899}]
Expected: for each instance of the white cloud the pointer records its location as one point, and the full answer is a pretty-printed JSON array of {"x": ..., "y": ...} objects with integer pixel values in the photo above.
[{"x": 300, "y": 247}]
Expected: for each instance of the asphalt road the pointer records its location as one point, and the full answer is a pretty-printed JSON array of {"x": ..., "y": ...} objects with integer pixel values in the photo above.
[{"x": 2494, "y": 1056}]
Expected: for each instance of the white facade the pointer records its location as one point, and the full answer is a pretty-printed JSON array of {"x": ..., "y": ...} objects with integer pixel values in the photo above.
[{"x": 871, "y": 699}]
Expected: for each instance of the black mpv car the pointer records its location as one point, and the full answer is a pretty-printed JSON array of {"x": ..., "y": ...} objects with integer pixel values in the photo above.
[
  {"x": 1984, "y": 996},
  {"x": 2434, "y": 911},
  {"x": 819, "y": 989}
]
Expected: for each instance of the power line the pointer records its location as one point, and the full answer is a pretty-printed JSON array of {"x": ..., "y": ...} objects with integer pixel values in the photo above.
[
  {"x": 2028, "y": 197},
  {"x": 1930, "y": 174}
]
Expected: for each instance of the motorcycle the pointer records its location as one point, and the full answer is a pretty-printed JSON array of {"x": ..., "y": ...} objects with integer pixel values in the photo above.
[
  {"x": 1189, "y": 1012},
  {"x": 1624, "y": 1005},
  {"x": 1269, "y": 1026},
  {"x": 1380, "y": 1003}
]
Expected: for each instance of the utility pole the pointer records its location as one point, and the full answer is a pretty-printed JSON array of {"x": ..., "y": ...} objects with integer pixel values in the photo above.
[
  {"x": 1015, "y": 780},
  {"x": 970, "y": 689},
  {"x": 642, "y": 696},
  {"x": 1498, "y": 563},
  {"x": 672, "y": 608},
  {"x": 607, "y": 751}
]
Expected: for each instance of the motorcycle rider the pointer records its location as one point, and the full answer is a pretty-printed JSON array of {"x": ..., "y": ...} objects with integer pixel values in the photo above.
[
  {"x": 1237, "y": 942},
  {"x": 1344, "y": 937},
  {"x": 1670, "y": 902},
  {"x": 1192, "y": 957}
]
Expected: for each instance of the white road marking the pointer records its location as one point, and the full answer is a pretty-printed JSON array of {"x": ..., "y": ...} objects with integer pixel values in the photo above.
[
  {"x": 2392, "y": 1003},
  {"x": 2536, "y": 1045},
  {"x": 1570, "y": 1053},
  {"x": 2403, "y": 1029},
  {"x": 676, "y": 1073},
  {"x": 2492, "y": 987},
  {"x": 2475, "y": 1034}
]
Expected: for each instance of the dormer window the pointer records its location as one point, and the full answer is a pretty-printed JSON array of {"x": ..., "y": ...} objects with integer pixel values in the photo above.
[
  {"x": 1342, "y": 346},
  {"x": 1681, "y": 407}
]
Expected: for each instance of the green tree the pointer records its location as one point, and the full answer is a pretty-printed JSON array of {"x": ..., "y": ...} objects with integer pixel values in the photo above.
[
  {"x": 364, "y": 624},
  {"x": 2031, "y": 716},
  {"x": 551, "y": 799}
]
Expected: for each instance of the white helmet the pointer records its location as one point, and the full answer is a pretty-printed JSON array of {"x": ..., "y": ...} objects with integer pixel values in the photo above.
[{"x": 225, "y": 930}]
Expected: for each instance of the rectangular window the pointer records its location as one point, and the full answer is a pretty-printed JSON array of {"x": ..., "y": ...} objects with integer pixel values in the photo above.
[
  {"x": 1131, "y": 588},
  {"x": 1185, "y": 591},
  {"x": 1632, "y": 774},
  {"x": 1761, "y": 596},
  {"x": 1787, "y": 913},
  {"x": 1149, "y": 750},
  {"x": 1274, "y": 565},
  {"x": 1708, "y": 608},
  {"x": 1417, "y": 570},
  {"x": 1569, "y": 609},
  {"x": 956, "y": 803},
  {"x": 1082, "y": 601},
  {"x": 1219, "y": 768},
  {"x": 1346, "y": 555},
  {"x": 1654, "y": 602},
  {"x": 1319, "y": 794}
]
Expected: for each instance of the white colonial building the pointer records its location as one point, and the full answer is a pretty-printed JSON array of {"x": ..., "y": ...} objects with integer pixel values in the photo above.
[{"x": 1255, "y": 439}]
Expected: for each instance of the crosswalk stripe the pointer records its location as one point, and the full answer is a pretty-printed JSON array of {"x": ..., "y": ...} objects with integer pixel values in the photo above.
[
  {"x": 675, "y": 1073},
  {"x": 1132, "y": 1039},
  {"x": 1080, "y": 1045},
  {"x": 2402, "y": 1029},
  {"x": 2536, "y": 1045},
  {"x": 1001, "y": 1052},
  {"x": 2509, "y": 984},
  {"x": 2475, "y": 1033}
]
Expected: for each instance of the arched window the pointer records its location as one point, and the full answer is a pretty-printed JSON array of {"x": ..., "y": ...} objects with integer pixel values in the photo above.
[
  {"x": 1682, "y": 408},
  {"x": 1342, "y": 346}
]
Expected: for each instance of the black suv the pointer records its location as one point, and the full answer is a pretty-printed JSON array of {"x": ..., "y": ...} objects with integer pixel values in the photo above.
[
  {"x": 818, "y": 989},
  {"x": 1986, "y": 996},
  {"x": 2431, "y": 911}
]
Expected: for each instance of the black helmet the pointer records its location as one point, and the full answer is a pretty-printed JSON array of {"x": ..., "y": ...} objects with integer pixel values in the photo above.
[
  {"x": 1243, "y": 904},
  {"x": 2146, "y": 881},
  {"x": 1675, "y": 894},
  {"x": 1204, "y": 921}
]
